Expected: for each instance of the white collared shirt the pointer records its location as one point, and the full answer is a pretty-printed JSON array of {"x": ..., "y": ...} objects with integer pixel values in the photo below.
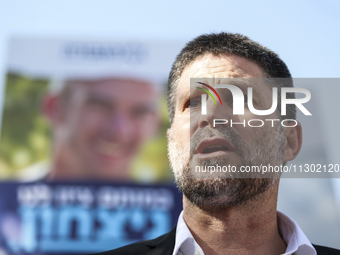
[{"x": 296, "y": 240}]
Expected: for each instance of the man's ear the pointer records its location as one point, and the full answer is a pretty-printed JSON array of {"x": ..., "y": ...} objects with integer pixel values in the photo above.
[
  {"x": 52, "y": 109},
  {"x": 293, "y": 141}
]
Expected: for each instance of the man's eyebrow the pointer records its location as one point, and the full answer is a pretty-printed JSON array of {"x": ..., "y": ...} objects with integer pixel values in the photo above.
[
  {"x": 245, "y": 83},
  {"x": 242, "y": 83},
  {"x": 239, "y": 82},
  {"x": 152, "y": 106},
  {"x": 97, "y": 96},
  {"x": 183, "y": 97}
]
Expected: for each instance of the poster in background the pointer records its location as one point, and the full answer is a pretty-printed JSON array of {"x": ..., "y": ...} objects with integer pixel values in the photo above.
[
  {"x": 82, "y": 218},
  {"x": 38, "y": 66},
  {"x": 79, "y": 216}
]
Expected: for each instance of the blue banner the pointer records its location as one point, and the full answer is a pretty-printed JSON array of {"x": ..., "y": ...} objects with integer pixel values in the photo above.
[{"x": 80, "y": 218}]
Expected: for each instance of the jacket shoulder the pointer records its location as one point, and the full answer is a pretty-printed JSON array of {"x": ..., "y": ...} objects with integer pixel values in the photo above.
[
  {"x": 161, "y": 245},
  {"x": 322, "y": 250}
]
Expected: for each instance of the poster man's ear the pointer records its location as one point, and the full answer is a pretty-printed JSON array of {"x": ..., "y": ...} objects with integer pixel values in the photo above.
[
  {"x": 293, "y": 141},
  {"x": 51, "y": 108}
]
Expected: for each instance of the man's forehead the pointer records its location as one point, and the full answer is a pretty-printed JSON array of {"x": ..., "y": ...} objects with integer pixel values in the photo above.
[
  {"x": 110, "y": 82},
  {"x": 112, "y": 86},
  {"x": 217, "y": 67}
]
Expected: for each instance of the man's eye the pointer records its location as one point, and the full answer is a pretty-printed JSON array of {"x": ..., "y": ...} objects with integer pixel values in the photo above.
[
  {"x": 141, "y": 112},
  {"x": 192, "y": 103},
  {"x": 98, "y": 104}
]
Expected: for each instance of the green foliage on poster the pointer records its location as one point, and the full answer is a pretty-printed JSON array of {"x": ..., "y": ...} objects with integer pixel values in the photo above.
[{"x": 24, "y": 134}]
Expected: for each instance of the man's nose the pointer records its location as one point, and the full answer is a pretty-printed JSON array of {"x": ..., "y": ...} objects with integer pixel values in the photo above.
[
  {"x": 120, "y": 126},
  {"x": 214, "y": 111}
]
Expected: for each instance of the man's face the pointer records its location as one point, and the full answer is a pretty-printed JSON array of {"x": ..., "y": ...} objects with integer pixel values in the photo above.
[
  {"x": 103, "y": 125},
  {"x": 193, "y": 141}
]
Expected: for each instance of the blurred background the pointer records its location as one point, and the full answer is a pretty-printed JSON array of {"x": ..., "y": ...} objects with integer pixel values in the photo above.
[{"x": 305, "y": 34}]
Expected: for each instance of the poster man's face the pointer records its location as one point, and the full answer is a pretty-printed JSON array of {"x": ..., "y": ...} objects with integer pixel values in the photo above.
[{"x": 103, "y": 125}]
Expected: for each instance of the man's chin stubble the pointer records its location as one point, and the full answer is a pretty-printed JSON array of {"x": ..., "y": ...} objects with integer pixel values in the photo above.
[
  {"x": 224, "y": 191},
  {"x": 217, "y": 192}
]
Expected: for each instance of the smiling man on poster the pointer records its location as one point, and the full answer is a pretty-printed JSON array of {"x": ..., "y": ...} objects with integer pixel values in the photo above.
[
  {"x": 99, "y": 125},
  {"x": 229, "y": 212}
]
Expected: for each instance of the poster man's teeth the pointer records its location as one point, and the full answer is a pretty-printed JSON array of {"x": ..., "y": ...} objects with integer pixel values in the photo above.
[{"x": 112, "y": 149}]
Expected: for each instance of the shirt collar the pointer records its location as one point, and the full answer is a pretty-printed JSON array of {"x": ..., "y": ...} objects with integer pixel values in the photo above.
[
  {"x": 296, "y": 240},
  {"x": 184, "y": 242}
]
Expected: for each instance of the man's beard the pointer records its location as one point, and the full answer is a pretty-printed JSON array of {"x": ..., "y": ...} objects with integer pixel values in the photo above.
[{"x": 225, "y": 189}]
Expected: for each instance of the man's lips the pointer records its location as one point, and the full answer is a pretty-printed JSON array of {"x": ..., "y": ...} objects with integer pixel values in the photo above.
[
  {"x": 110, "y": 149},
  {"x": 211, "y": 145}
]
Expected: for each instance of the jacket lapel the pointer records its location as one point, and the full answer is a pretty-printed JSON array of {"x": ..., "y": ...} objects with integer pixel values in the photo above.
[{"x": 163, "y": 245}]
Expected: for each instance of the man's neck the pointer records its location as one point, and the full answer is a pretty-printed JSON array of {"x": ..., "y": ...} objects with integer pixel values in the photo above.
[{"x": 250, "y": 228}]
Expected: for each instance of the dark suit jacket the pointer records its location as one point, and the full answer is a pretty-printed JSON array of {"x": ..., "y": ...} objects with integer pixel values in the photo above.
[{"x": 164, "y": 245}]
